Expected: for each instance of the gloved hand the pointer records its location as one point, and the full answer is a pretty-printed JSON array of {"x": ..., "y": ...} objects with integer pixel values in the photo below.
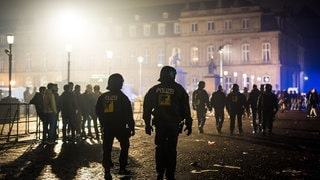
[
  {"x": 132, "y": 132},
  {"x": 189, "y": 129},
  {"x": 149, "y": 129}
]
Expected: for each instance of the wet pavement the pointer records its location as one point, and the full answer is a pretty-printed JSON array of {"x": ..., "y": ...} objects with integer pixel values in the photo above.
[{"x": 292, "y": 152}]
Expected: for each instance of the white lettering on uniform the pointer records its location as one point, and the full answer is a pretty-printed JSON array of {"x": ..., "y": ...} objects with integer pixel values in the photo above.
[
  {"x": 111, "y": 98},
  {"x": 165, "y": 90}
]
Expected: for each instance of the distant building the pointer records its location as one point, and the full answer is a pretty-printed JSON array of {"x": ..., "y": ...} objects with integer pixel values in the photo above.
[{"x": 257, "y": 47}]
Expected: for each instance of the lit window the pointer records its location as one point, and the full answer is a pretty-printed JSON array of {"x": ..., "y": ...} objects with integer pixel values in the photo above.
[
  {"x": 194, "y": 54},
  {"x": 210, "y": 54},
  {"x": 245, "y": 23},
  {"x": 161, "y": 57},
  {"x": 227, "y": 53},
  {"x": 176, "y": 28},
  {"x": 210, "y": 26},
  {"x": 227, "y": 24},
  {"x": 245, "y": 51},
  {"x": 161, "y": 29},
  {"x": 266, "y": 52}
]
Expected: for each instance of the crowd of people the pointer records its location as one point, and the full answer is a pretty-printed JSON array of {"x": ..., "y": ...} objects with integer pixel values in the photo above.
[
  {"x": 259, "y": 104},
  {"x": 76, "y": 109},
  {"x": 166, "y": 108}
]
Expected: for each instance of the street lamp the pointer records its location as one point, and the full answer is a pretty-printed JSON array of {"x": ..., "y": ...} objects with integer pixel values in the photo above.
[
  {"x": 10, "y": 41},
  {"x": 140, "y": 60},
  {"x": 220, "y": 54},
  {"x": 235, "y": 74},
  {"x": 109, "y": 56},
  {"x": 244, "y": 76},
  {"x": 69, "y": 49}
]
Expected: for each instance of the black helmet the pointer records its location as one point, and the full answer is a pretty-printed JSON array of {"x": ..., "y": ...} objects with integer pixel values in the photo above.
[
  {"x": 115, "y": 82},
  {"x": 201, "y": 84},
  {"x": 235, "y": 88},
  {"x": 167, "y": 73}
]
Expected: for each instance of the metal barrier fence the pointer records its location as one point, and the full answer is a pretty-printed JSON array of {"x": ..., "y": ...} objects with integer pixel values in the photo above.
[{"x": 15, "y": 121}]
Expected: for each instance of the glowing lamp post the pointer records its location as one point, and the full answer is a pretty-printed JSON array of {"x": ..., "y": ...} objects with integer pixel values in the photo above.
[
  {"x": 235, "y": 74},
  {"x": 10, "y": 41},
  {"x": 140, "y": 61},
  {"x": 69, "y": 49},
  {"x": 221, "y": 64}
]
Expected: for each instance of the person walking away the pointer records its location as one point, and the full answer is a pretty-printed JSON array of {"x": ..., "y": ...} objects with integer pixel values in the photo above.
[
  {"x": 313, "y": 102},
  {"x": 236, "y": 102},
  {"x": 252, "y": 101},
  {"x": 269, "y": 106},
  {"x": 168, "y": 103},
  {"x": 37, "y": 101},
  {"x": 50, "y": 114},
  {"x": 259, "y": 109},
  {"x": 200, "y": 103},
  {"x": 246, "y": 113},
  {"x": 116, "y": 117},
  {"x": 218, "y": 103}
]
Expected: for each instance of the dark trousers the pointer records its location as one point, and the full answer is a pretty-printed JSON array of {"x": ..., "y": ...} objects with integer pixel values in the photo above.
[
  {"x": 254, "y": 119},
  {"x": 267, "y": 121},
  {"x": 166, "y": 140},
  {"x": 201, "y": 116},
  {"x": 123, "y": 138},
  {"x": 233, "y": 117},
  {"x": 219, "y": 115}
]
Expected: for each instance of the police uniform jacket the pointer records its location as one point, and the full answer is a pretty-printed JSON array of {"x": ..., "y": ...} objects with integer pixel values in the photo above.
[
  {"x": 169, "y": 105},
  {"x": 235, "y": 102},
  {"x": 115, "y": 112}
]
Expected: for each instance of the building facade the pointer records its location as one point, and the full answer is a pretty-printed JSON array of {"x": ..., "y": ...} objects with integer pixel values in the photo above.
[{"x": 220, "y": 42}]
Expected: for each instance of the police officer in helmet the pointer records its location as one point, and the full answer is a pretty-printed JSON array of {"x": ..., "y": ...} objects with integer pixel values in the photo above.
[
  {"x": 168, "y": 103},
  {"x": 116, "y": 118}
]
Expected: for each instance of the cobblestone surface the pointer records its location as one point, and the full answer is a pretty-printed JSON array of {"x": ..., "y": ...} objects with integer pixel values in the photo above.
[{"x": 292, "y": 152}]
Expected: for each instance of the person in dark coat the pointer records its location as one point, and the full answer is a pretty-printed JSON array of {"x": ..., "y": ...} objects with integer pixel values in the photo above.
[
  {"x": 68, "y": 112},
  {"x": 200, "y": 103},
  {"x": 236, "y": 102},
  {"x": 268, "y": 103},
  {"x": 218, "y": 103},
  {"x": 252, "y": 101},
  {"x": 168, "y": 103},
  {"x": 116, "y": 117},
  {"x": 37, "y": 101}
]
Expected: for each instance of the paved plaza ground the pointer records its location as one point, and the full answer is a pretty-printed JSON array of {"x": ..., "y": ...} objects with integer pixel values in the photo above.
[{"x": 292, "y": 152}]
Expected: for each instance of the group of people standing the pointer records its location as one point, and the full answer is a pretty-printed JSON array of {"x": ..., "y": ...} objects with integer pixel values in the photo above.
[
  {"x": 77, "y": 111},
  {"x": 166, "y": 108},
  {"x": 262, "y": 103}
]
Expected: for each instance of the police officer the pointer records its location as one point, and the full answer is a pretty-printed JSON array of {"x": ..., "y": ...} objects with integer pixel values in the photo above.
[
  {"x": 200, "y": 103},
  {"x": 236, "y": 102},
  {"x": 269, "y": 108},
  {"x": 168, "y": 102},
  {"x": 116, "y": 118}
]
